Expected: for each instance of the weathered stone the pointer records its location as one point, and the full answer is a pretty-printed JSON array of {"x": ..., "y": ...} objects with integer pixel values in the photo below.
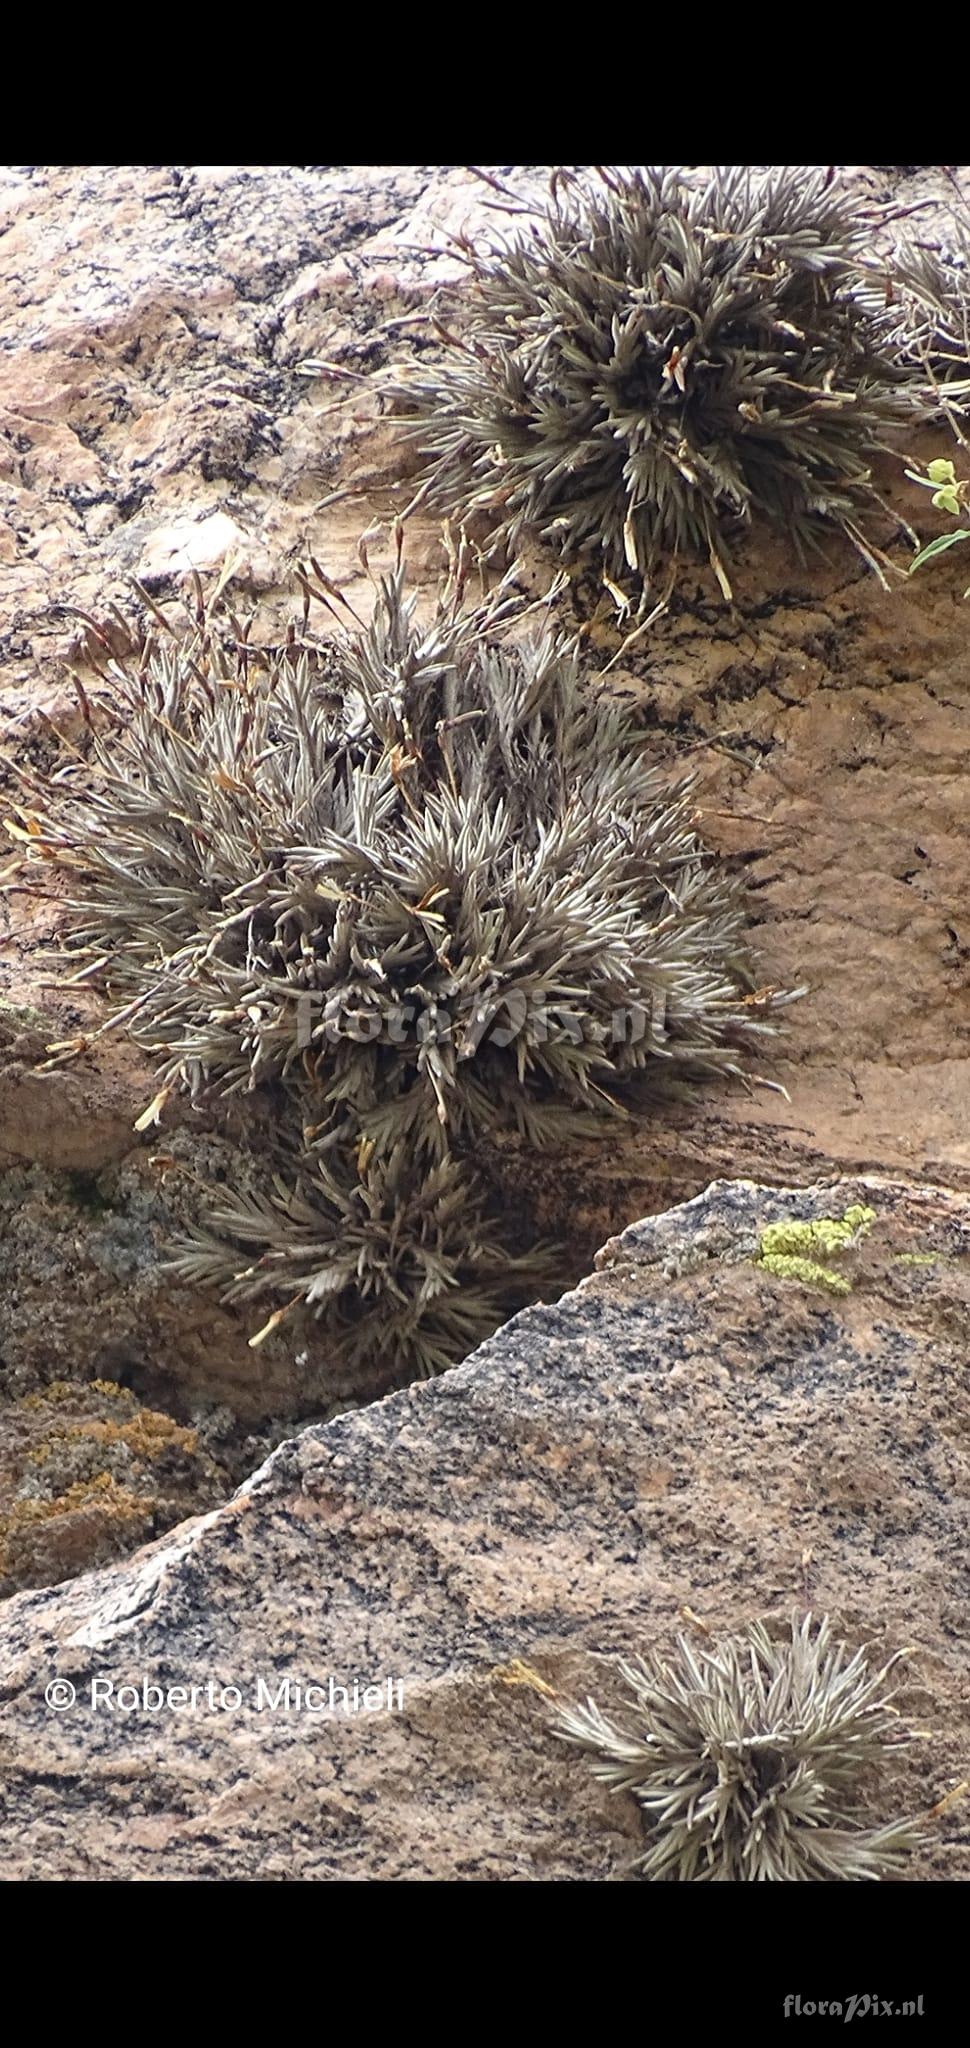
[
  {"x": 153, "y": 414},
  {"x": 85, "y": 1474},
  {"x": 683, "y": 1431}
]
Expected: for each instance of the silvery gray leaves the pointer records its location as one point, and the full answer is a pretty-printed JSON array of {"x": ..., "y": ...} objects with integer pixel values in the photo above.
[
  {"x": 419, "y": 885},
  {"x": 655, "y": 359},
  {"x": 747, "y": 1757}
]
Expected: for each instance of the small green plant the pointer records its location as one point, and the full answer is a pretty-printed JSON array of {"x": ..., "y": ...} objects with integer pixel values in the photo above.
[
  {"x": 950, "y": 494},
  {"x": 748, "y": 1757}
]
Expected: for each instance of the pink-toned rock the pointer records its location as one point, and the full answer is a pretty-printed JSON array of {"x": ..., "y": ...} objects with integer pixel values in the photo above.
[
  {"x": 684, "y": 1432},
  {"x": 155, "y": 321},
  {"x": 191, "y": 544}
]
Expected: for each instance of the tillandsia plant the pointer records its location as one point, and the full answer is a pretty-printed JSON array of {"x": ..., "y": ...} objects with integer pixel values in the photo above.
[
  {"x": 438, "y": 885},
  {"x": 402, "y": 1258},
  {"x": 924, "y": 290},
  {"x": 419, "y": 881},
  {"x": 655, "y": 360},
  {"x": 748, "y": 1757}
]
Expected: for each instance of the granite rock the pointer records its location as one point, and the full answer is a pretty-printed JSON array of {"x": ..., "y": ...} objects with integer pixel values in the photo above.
[
  {"x": 155, "y": 415},
  {"x": 682, "y": 1432}
]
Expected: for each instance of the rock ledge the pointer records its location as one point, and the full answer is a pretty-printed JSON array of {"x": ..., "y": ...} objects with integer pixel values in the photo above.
[{"x": 683, "y": 1430}]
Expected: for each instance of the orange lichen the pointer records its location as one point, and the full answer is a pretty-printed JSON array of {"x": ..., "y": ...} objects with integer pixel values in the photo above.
[
  {"x": 145, "y": 1435},
  {"x": 99, "y": 1464},
  {"x": 101, "y": 1496}
]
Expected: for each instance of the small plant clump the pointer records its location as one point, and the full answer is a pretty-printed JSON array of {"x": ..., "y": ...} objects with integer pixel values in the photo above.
[
  {"x": 440, "y": 887},
  {"x": 420, "y": 885},
  {"x": 951, "y": 494},
  {"x": 404, "y": 1260},
  {"x": 655, "y": 360},
  {"x": 929, "y": 297},
  {"x": 747, "y": 1758}
]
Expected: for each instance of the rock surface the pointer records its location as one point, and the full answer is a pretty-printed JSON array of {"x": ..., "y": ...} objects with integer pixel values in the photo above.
[
  {"x": 86, "y": 1473},
  {"x": 153, "y": 414},
  {"x": 683, "y": 1431},
  {"x": 154, "y": 326}
]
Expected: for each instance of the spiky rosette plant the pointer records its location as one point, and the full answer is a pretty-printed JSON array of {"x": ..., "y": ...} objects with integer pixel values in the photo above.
[
  {"x": 401, "y": 1259},
  {"x": 748, "y": 1758},
  {"x": 929, "y": 311},
  {"x": 439, "y": 885},
  {"x": 416, "y": 886},
  {"x": 654, "y": 360}
]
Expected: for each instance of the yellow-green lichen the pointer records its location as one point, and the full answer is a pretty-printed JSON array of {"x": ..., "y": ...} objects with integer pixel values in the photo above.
[
  {"x": 76, "y": 1485},
  {"x": 72, "y": 1390},
  {"x": 787, "y": 1266},
  {"x": 58, "y": 1390},
  {"x": 86, "y": 1473},
  {"x": 915, "y": 1258},
  {"x": 786, "y": 1249},
  {"x": 75, "y": 1390},
  {"x": 102, "y": 1492},
  {"x": 22, "y": 1015}
]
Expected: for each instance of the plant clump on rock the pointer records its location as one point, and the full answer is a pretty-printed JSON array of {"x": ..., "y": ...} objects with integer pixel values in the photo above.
[
  {"x": 402, "y": 1257},
  {"x": 929, "y": 312},
  {"x": 657, "y": 358},
  {"x": 420, "y": 885},
  {"x": 748, "y": 1757}
]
